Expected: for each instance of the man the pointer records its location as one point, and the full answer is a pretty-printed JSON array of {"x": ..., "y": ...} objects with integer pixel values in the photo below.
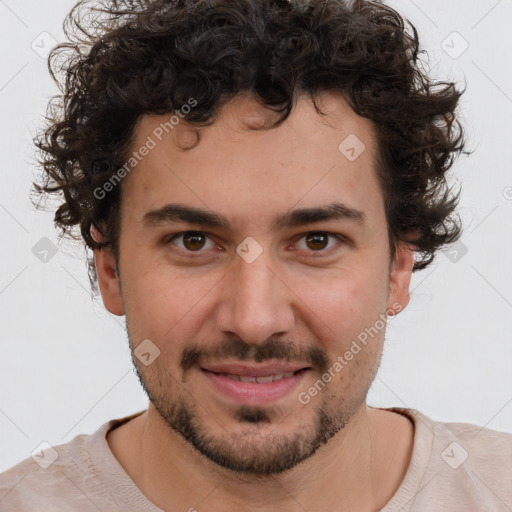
[{"x": 256, "y": 179}]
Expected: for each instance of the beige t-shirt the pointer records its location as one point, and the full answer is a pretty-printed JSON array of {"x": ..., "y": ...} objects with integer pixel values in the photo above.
[{"x": 455, "y": 467}]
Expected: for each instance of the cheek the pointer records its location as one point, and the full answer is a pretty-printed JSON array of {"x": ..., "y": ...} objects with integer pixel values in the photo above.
[
  {"x": 346, "y": 302},
  {"x": 354, "y": 342},
  {"x": 166, "y": 307}
]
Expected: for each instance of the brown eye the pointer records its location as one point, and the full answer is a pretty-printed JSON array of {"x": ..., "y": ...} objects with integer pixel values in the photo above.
[
  {"x": 317, "y": 241},
  {"x": 193, "y": 241}
]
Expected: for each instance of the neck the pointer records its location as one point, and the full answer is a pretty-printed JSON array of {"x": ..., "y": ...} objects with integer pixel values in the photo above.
[{"x": 359, "y": 469}]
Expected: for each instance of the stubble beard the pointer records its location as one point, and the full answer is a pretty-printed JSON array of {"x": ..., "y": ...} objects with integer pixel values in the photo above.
[{"x": 257, "y": 449}]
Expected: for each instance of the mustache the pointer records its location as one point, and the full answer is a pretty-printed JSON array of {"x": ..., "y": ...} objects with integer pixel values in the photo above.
[{"x": 271, "y": 349}]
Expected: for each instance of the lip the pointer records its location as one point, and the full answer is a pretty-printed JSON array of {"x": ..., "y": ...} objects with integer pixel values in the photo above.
[
  {"x": 254, "y": 393},
  {"x": 254, "y": 370}
]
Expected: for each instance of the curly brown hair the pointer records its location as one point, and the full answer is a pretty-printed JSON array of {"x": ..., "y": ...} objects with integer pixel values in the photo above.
[{"x": 127, "y": 58}]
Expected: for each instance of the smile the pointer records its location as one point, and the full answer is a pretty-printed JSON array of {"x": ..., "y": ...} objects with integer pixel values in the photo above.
[
  {"x": 254, "y": 386},
  {"x": 259, "y": 380}
]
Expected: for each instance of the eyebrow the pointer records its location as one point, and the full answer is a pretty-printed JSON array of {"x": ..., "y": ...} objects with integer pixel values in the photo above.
[{"x": 173, "y": 212}]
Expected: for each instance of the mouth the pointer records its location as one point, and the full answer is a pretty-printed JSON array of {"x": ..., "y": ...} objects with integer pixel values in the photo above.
[
  {"x": 259, "y": 380},
  {"x": 254, "y": 384}
]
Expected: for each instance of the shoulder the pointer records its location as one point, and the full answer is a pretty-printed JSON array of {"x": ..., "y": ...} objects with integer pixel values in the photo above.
[
  {"x": 456, "y": 466},
  {"x": 477, "y": 442},
  {"x": 476, "y": 459},
  {"x": 82, "y": 474},
  {"x": 483, "y": 448},
  {"x": 54, "y": 478}
]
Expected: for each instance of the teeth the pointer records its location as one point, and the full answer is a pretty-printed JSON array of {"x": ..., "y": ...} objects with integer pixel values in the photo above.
[
  {"x": 234, "y": 377},
  {"x": 243, "y": 378},
  {"x": 260, "y": 380}
]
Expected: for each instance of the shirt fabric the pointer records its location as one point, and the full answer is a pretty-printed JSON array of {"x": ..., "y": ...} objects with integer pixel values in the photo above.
[{"x": 454, "y": 467}]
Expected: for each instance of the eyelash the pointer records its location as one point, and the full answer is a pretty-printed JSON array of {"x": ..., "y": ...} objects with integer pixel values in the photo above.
[{"x": 340, "y": 238}]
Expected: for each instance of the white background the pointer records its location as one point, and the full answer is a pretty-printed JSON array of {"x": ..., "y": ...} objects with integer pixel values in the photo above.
[{"x": 65, "y": 366}]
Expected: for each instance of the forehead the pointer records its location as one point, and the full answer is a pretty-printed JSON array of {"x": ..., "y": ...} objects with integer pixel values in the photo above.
[{"x": 309, "y": 158}]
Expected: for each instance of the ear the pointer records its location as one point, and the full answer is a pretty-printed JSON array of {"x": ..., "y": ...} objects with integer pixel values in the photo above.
[
  {"x": 108, "y": 278},
  {"x": 400, "y": 278}
]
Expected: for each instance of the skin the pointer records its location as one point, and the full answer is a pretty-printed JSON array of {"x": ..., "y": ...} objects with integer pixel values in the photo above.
[{"x": 297, "y": 294}]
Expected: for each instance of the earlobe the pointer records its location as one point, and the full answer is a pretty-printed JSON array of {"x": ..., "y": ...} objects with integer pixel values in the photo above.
[
  {"x": 108, "y": 279},
  {"x": 400, "y": 278}
]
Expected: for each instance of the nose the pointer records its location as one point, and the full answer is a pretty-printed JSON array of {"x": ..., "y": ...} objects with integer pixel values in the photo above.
[{"x": 255, "y": 302}]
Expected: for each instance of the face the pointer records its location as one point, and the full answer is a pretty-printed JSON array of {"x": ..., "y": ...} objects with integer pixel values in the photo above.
[{"x": 264, "y": 295}]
